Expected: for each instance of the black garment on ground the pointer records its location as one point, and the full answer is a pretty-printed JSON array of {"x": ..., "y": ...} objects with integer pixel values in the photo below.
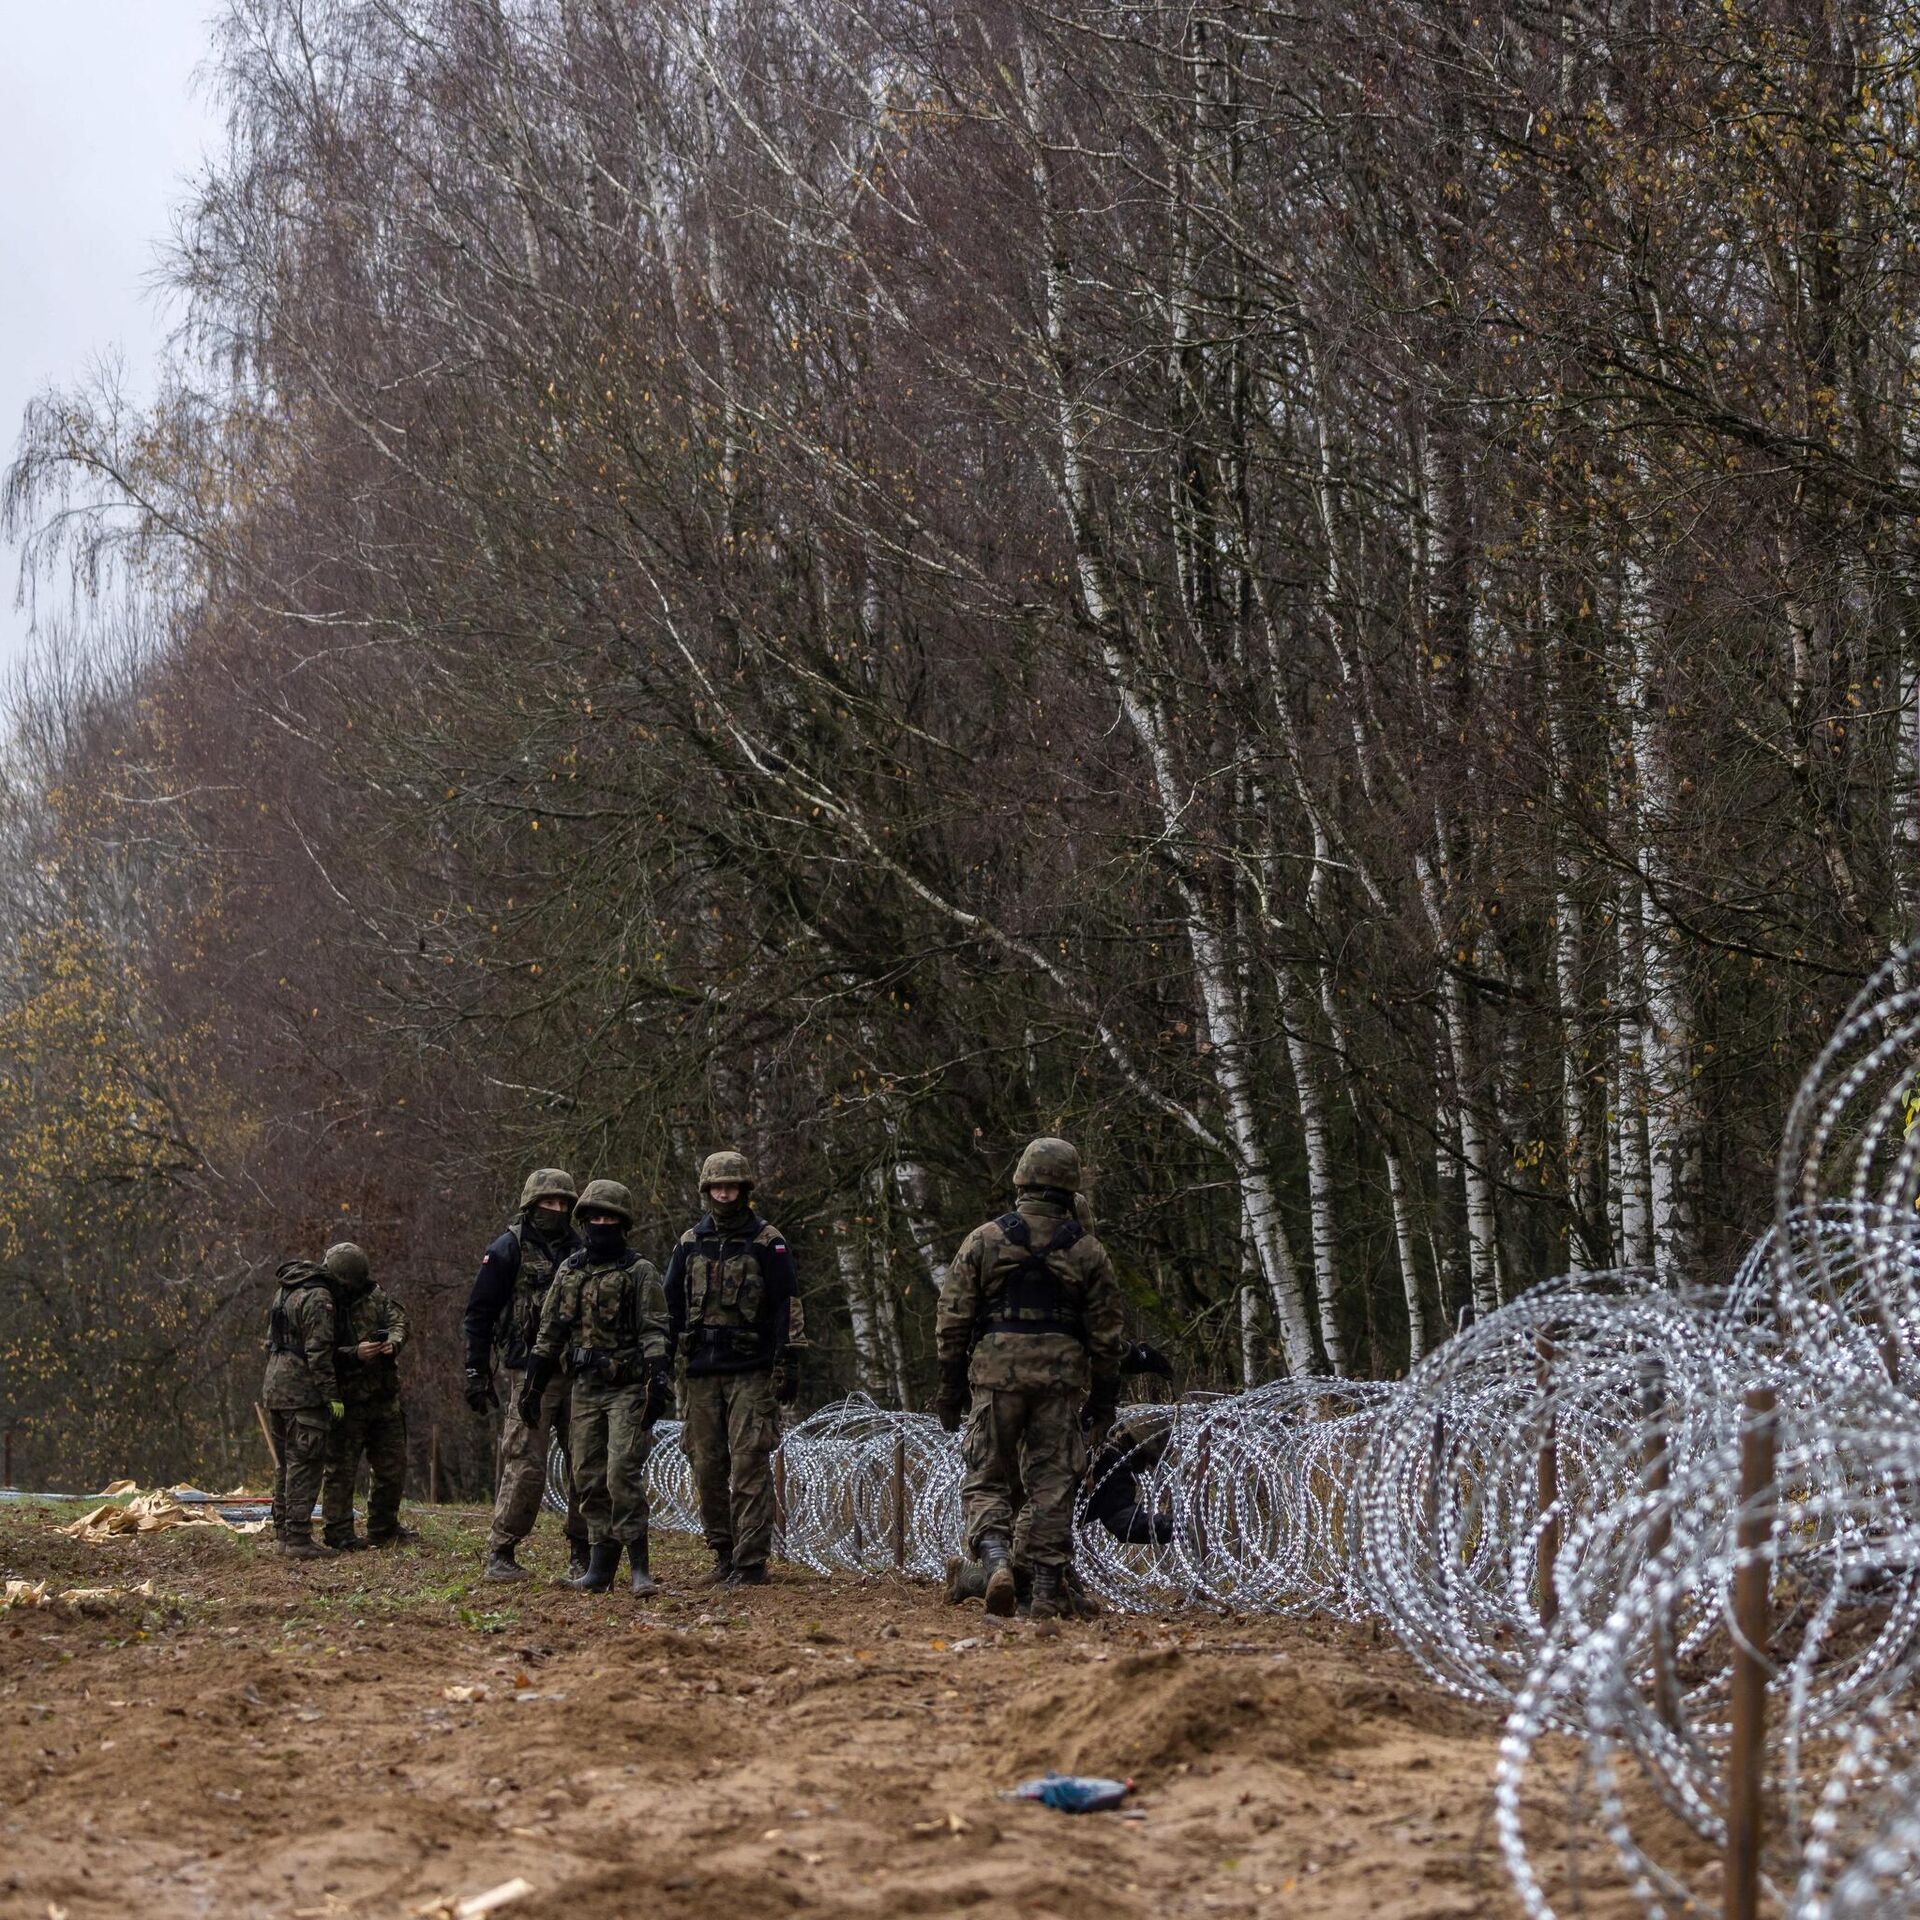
[{"x": 1113, "y": 1498}]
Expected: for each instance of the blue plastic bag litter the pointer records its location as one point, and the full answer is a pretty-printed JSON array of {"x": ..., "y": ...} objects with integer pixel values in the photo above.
[{"x": 1073, "y": 1792}]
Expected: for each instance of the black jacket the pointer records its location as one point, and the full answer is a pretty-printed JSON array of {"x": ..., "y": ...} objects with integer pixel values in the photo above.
[{"x": 492, "y": 1295}]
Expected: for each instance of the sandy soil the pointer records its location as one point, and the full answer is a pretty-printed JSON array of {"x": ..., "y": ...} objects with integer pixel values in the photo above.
[{"x": 260, "y": 1738}]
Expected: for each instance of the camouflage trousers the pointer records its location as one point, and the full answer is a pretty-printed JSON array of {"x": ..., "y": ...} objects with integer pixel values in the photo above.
[
  {"x": 729, "y": 1437},
  {"x": 1024, "y": 1455},
  {"x": 609, "y": 1450},
  {"x": 523, "y": 1466},
  {"x": 299, "y": 1459},
  {"x": 376, "y": 1429}
]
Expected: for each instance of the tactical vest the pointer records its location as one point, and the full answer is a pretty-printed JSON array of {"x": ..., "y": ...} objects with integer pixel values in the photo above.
[
  {"x": 727, "y": 1292},
  {"x": 605, "y": 1342},
  {"x": 534, "y": 1275},
  {"x": 281, "y": 1337},
  {"x": 1022, "y": 1291}
]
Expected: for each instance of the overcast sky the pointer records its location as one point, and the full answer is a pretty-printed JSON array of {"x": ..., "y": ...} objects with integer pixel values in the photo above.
[{"x": 101, "y": 124}]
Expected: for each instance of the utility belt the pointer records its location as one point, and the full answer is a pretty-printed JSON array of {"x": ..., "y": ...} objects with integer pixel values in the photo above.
[
  {"x": 732, "y": 1343},
  {"x": 1032, "y": 1323},
  {"x": 615, "y": 1366}
]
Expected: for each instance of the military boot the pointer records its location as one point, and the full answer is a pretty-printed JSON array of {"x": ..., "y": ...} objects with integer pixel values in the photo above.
[
  {"x": 643, "y": 1580},
  {"x": 722, "y": 1571},
  {"x": 578, "y": 1553},
  {"x": 1001, "y": 1594},
  {"x": 501, "y": 1565},
  {"x": 296, "y": 1548},
  {"x": 747, "y": 1577},
  {"x": 1047, "y": 1602},
  {"x": 966, "y": 1580},
  {"x": 346, "y": 1543},
  {"x": 603, "y": 1558}
]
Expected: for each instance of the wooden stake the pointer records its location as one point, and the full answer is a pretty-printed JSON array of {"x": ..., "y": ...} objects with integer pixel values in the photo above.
[
  {"x": 1547, "y": 1490},
  {"x": 6, "y": 1458},
  {"x": 1654, "y": 1481},
  {"x": 266, "y": 1434},
  {"x": 780, "y": 1503},
  {"x": 1753, "y": 1636},
  {"x": 1436, "y": 1469},
  {"x": 433, "y": 1466},
  {"x": 900, "y": 1502}
]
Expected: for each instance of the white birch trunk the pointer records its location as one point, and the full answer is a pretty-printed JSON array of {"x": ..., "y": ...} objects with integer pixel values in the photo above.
[
  {"x": 853, "y": 1281},
  {"x": 1667, "y": 1038},
  {"x": 1403, "y": 1240},
  {"x": 1577, "y": 1144},
  {"x": 1483, "y": 1236},
  {"x": 1294, "y": 1014},
  {"x": 1249, "y": 1314},
  {"x": 1220, "y": 1015},
  {"x": 1634, "y": 1176},
  {"x": 877, "y": 1243},
  {"x": 1906, "y": 811}
]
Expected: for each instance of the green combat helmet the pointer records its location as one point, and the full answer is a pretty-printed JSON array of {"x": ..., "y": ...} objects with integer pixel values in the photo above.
[
  {"x": 606, "y": 1196},
  {"x": 348, "y": 1265},
  {"x": 726, "y": 1168},
  {"x": 543, "y": 1182},
  {"x": 1049, "y": 1163}
]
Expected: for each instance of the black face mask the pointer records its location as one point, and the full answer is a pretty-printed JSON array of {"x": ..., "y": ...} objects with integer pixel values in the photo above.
[
  {"x": 605, "y": 1242},
  {"x": 547, "y": 1223}
]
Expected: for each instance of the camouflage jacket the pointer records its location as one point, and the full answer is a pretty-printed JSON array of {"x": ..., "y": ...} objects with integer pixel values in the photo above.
[
  {"x": 1042, "y": 1315},
  {"x": 604, "y": 1317},
  {"x": 300, "y": 1343},
  {"x": 372, "y": 1315}
]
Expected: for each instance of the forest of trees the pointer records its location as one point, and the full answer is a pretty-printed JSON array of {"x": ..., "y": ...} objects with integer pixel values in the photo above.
[{"x": 1318, "y": 597}]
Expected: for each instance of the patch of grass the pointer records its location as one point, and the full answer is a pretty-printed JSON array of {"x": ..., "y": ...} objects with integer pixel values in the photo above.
[{"x": 488, "y": 1620}]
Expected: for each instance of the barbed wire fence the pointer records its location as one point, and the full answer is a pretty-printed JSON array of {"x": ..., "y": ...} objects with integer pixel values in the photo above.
[{"x": 1549, "y": 1514}]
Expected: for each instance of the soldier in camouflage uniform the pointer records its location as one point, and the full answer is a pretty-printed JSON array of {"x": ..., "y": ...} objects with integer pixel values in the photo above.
[
  {"x": 730, "y": 1291},
  {"x": 1030, "y": 1327},
  {"x": 373, "y": 1329},
  {"x": 604, "y": 1327},
  {"x": 302, "y": 1398},
  {"x": 503, "y": 1310}
]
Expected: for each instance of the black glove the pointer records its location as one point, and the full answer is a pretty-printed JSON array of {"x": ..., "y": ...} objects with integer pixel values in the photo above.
[
  {"x": 1141, "y": 1358},
  {"x": 1102, "y": 1403},
  {"x": 786, "y": 1377},
  {"x": 659, "y": 1394},
  {"x": 950, "y": 1403},
  {"x": 481, "y": 1393},
  {"x": 539, "y": 1371}
]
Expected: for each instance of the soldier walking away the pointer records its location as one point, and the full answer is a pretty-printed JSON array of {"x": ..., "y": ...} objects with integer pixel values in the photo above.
[
  {"x": 1029, "y": 1327},
  {"x": 604, "y": 1329},
  {"x": 302, "y": 1399},
  {"x": 1109, "y": 1496},
  {"x": 503, "y": 1311},
  {"x": 730, "y": 1292},
  {"x": 373, "y": 1329}
]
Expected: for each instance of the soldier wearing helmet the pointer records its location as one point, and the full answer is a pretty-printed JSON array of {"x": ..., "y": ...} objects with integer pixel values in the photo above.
[
  {"x": 730, "y": 1292},
  {"x": 503, "y": 1311},
  {"x": 603, "y": 1328},
  {"x": 1029, "y": 1337},
  {"x": 373, "y": 1328},
  {"x": 301, "y": 1395}
]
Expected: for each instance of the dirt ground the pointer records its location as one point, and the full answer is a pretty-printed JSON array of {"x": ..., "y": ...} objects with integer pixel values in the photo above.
[{"x": 260, "y": 1738}]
